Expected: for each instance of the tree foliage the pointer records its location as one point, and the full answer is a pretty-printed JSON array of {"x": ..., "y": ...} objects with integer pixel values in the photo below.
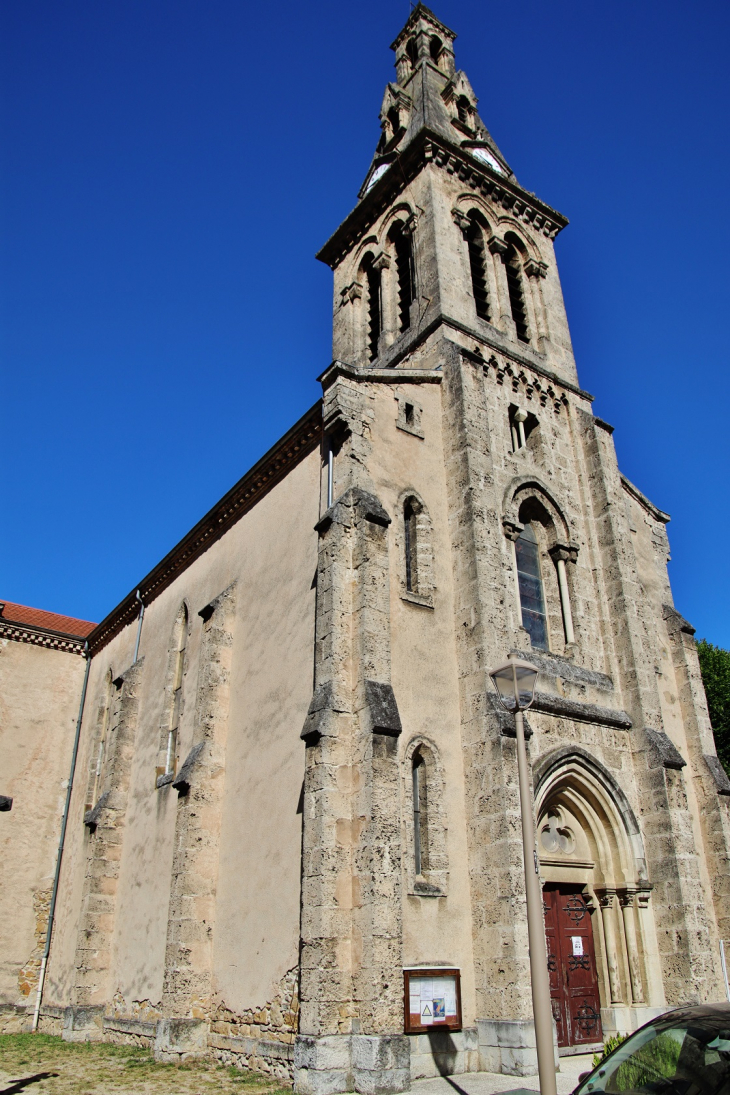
[{"x": 715, "y": 668}]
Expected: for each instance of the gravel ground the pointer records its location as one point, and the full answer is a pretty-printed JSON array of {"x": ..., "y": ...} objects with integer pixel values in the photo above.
[{"x": 43, "y": 1065}]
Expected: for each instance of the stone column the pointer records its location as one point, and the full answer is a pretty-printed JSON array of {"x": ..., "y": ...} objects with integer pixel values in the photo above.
[
  {"x": 186, "y": 993},
  {"x": 498, "y": 248},
  {"x": 106, "y": 824},
  {"x": 626, "y": 901},
  {"x": 562, "y": 553},
  {"x": 388, "y": 306},
  {"x": 535, "y": 272},
  {"x": 351, "y": 1017},
  {"x": 605, "y": 900}
]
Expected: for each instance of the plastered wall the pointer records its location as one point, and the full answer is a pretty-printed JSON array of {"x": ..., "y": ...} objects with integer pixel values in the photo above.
[
  {"x": 269, "y": 559},
  {"x": 40, "y": 690}
]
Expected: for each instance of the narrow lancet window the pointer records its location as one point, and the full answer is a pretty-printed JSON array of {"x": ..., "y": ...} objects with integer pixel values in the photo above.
[
  {"x": 410, "y": 521},
  {"x": 532, "y": 600},
  {"x": 420, "y": 814},
  {"x": 406, "y": 274},
  {"x": 103, "y": 745},
  {"x": 373, "y": 279},
  {"x": 177, "y": 688},
  {"x": 477, "y": 263},
  {"x": 513, "y": 270}
]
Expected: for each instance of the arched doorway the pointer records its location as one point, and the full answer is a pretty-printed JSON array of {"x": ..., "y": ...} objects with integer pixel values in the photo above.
[{"x": 596, "y": 896}]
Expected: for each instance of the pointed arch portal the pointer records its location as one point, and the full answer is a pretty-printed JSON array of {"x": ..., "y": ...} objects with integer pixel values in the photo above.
[{"x": 596, "y": 895}]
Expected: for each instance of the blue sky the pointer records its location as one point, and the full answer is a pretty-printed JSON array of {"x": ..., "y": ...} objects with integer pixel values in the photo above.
[{"x": 168, "y": 170}]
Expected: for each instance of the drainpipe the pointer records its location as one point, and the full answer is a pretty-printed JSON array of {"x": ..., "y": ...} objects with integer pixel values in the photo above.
[
  {"x": 139, "y": 627},
  {"x": 64, "y": 822}
]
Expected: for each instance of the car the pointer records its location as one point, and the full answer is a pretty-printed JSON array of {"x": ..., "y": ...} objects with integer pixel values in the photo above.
[{"x": 686, "y": 1051}]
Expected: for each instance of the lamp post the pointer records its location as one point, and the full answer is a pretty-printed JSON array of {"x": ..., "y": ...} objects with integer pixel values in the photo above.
[{"x": 515, "y": 684}]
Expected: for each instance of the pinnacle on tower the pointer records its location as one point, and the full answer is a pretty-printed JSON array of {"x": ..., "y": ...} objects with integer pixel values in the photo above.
[{"x": 430, "y": 95}]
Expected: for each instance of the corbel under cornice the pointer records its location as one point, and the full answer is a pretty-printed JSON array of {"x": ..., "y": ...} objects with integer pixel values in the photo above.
[{"x": 40, "y": 636}]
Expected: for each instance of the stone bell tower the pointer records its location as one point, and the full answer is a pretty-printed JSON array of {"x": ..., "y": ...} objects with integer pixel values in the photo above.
[
  {"x": 436, "y": 166},
  {"x": 472, "y": 506}
]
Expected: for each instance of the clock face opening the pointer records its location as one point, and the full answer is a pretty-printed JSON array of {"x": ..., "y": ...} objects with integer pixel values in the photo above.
[{"x": 486, "y": 157}]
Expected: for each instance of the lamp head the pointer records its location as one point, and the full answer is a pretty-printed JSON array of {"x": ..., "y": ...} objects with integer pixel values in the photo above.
[{"x": 515, "y": 683}]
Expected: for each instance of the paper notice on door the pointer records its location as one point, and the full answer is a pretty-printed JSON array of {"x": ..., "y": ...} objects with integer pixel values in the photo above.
[{"x": 577, "y": 941}]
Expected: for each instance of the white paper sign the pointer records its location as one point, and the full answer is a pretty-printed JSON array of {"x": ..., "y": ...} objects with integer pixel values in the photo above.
[
  {"x": 433, "y": 1000},
  {"x": 577, "y": 941}
]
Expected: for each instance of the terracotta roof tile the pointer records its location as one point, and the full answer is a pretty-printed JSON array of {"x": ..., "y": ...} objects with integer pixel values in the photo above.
[{"x": 51, "y": 621}]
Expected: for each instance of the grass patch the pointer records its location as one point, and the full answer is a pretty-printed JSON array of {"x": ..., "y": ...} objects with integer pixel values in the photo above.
[{"x": 98, "y": 1068}]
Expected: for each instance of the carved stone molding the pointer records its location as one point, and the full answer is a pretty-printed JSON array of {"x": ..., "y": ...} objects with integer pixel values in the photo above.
[
  {"x": 497, "y": 246},
  {"x": 567, "y": 552},
  {"x": 534, "y": 268},
  {"x": 511, "y": 529},
  {"x": 461, "y": 221}
]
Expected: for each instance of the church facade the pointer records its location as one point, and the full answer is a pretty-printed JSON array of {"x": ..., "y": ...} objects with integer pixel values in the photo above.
[{"x": 294, "y": 834}]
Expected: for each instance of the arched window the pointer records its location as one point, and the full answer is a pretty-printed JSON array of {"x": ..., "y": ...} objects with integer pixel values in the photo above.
[
  {"x": 374, "y": 308},
  {"x": 434, "y": 48},
  {"x": 410, "y": 522},
  {"x": 405, "y": 272},
  {"x": 532, "y": 600},
  {"x": 107, "y": 717},
  {"x": 177, "y": 691},
  {"x": 513, "y": 269},
  {"x": 420, "y": 814},
  {"x": 412, "y": 51},
  {"x": 394, "y": 120},
  {"x": 522, "y": 424},
  {"x": 477, "y": 263},
  {"x": 463, "y": 109}
]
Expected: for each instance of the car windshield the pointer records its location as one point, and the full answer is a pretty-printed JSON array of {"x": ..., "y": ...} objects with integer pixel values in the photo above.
[{"x": 685, "y": 1057}]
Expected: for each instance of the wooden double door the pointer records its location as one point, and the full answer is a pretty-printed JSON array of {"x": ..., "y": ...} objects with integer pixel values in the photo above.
[{"x": 572, "y": 965}]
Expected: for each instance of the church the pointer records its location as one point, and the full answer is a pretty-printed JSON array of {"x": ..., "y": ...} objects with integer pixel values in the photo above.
[{"x": 292, "y": 837}]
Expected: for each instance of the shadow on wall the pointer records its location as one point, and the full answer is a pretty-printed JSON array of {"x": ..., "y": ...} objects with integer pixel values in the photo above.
[{"x": 444, "y": 1052}]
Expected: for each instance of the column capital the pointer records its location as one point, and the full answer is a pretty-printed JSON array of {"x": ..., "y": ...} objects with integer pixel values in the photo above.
[
  {"x": 381, "y": 261},
  {"x": 351, "y": 292},
  {"x": 605, "y": 898},
  {"x": 461, "y": 221},
  {"x": 497, "y": 246},
  {"x": 567, "y": 552},
  {"x": 512, "y": 529},
  {"x": 534, "y": 268},
  {"x": 626, "y": 897}
]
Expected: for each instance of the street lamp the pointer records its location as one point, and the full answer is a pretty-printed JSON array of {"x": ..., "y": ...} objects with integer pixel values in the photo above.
[{"x": 515, "y": 684}]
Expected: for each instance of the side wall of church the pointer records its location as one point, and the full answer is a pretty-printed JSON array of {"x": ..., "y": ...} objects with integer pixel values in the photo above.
[
  {"x": 188, "y": 905},
  {"x": 40, "y": 690}
]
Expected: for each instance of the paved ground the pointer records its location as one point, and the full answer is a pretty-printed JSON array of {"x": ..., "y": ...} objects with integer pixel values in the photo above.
[{"x": 490, "y": 1083}]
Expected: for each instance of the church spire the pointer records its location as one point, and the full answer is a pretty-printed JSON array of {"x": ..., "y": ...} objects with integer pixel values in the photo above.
[{"x": 429, "y": 94}]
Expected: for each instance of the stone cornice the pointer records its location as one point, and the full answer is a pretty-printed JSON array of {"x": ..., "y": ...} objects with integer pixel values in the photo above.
[
  {"x": 651, "y": 509},
  {"x": 380, "y": 376},
  {"x": 41, "y": 636},
  {"x": 428, "y": 147},
  {"x": 301, "y": 439}
]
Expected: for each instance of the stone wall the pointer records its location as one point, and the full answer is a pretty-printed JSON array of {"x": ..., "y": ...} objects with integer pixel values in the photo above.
[{"x": 41, "y": 689}]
